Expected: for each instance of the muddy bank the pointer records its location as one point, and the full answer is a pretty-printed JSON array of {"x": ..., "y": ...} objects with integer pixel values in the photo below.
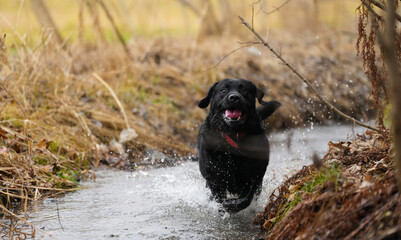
[{"x": 351, "y": 193}]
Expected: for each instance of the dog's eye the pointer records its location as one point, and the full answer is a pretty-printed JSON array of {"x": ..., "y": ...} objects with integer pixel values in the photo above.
[
  {"x": 243, "y": 91},
  {"x": 223, "y": 91}
]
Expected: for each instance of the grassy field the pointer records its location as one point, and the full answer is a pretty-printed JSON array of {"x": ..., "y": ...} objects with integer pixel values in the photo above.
[{"x": 65, "y": 107}]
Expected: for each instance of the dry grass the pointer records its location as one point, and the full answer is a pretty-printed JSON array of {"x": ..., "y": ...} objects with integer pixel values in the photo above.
[
  {"x": 354, "y": 196},
  {"x": 58, "y": 121}
]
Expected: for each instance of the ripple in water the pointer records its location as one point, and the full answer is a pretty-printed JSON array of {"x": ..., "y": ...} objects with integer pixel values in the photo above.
[{"x": 172, "y": 203}]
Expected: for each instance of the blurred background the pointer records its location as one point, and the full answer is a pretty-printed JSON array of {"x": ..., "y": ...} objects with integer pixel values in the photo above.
[
  {"x": 87, "y": 20},
  {"x": 161, "y": 56}
]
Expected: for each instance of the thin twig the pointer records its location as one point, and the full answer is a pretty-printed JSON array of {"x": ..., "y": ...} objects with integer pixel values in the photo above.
[
  {"x": 17, "y": 217},
  {"x": 14, "y": 133},
  {"x": 97, "y": 77},
  {"x": 45, "y": 19},
  {"x": 390, "y": 203},
  {"x": 187, "y": 4},
  {"x": 21, "y": 38},
  {"x": 58, "y": 215},
  {"x": 60, "y": 190},
  {"x": 24, "y": 220},
  {"x": 378, "y": 4},
  {"x": 276, "y": 8},
  {"x": 249, "y": 42},
  {"x": 228, "y": 54},
  {"x": 16, "y": 196},
  {"x": 253, "y": 13},
  {"x": 383, "y": 7},
  {"x": 371, "y": 10},
  {"x": 306, "y": 81},
  {"x": 80, "y": 119},
  {"x": 19, "y": 13},
  {"x": 118, "y": 33}
]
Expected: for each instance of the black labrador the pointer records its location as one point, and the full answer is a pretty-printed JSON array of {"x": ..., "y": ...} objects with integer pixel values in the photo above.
[{"x": 233, "y": 148}]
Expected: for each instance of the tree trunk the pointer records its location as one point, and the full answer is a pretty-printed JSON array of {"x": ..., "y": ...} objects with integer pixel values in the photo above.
[
  {"x": 210, "y": 26},
  {"x": 43, "y": 15},
  {"x": 392, "y": 64}
]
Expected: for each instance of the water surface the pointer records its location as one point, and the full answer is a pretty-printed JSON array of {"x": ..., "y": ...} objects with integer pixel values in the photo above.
[{"x": 173, "y": 203}]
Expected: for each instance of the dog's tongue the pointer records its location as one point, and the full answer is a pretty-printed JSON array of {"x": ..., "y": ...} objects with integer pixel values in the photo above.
[{"x": 233, "y": 113}]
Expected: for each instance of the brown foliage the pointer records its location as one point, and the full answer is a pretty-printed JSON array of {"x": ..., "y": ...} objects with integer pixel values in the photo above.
[
  {"x": 366, "y": 47},
  {"x": 373, "y": 62},
  {"x": 63, "y": 104},
  {"x": 363, "y": 203}
]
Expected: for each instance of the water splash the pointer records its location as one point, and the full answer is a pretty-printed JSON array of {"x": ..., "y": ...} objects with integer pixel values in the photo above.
[{"x": 173, "y": 203}]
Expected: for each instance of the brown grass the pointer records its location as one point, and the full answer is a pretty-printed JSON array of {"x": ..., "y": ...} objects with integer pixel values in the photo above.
[
  {"x": 57, "y": 121},
  {"x": 359, "y": 201}
]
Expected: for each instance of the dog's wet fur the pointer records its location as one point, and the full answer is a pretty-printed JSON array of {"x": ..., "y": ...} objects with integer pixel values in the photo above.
[{"x": 232, "y": 145}]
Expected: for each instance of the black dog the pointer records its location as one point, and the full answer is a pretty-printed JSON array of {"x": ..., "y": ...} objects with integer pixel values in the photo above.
[{"x": 233, "y": 148}]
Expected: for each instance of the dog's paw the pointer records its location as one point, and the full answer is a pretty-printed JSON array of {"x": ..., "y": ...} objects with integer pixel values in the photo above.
[{"x": 232, "y": 205}]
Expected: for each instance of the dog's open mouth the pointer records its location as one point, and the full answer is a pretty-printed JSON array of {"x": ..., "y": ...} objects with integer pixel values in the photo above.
[
  {"x": 234, "y": 117},
  {"x": 233, "y": 114}
]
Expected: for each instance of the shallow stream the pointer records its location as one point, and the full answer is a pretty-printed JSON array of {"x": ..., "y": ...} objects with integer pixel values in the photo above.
[{"x": 172, "y": 202}]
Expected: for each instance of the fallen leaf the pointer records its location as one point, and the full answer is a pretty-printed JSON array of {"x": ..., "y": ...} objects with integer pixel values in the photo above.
[
  {"x": 43, "y": 143},
  {"x": 3, "y": 134}
]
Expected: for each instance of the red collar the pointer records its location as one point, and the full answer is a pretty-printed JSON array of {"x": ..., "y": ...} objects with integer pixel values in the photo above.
[{"x": 230, "y": 140}]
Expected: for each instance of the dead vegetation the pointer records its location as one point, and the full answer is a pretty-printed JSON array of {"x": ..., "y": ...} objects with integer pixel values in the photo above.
[
  {"x": 59, "y": 121},
  {"x": 308, "y": 82},
  {"x": 353, "y": 196}
]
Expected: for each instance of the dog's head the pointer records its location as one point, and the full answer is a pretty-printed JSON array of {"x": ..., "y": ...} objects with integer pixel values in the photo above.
[{"x": 232, "y": 102}]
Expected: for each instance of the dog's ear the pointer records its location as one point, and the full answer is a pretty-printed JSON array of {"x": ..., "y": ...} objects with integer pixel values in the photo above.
[
  {"x": 259, "y": 95},
  {"x": 205, "y": 101}
]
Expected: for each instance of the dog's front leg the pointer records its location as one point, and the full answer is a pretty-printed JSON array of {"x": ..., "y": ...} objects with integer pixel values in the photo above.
[
  {"x": 236, "y": 205},
  {"x": 218, "y": 193}
]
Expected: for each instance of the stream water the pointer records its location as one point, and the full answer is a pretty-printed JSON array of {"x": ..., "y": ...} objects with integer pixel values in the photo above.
[{"x": 172, "y": 202}]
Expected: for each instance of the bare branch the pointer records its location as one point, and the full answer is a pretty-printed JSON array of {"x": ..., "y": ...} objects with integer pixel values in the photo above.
[
  {"x": 276, "y": 8},
  {"x": 248, "y": 42},
  {"x": 306, "y": 81},
  {"x": 233, "y": 51},
  {"x": 371, "y": 10},
  {"x": 118, "y": 33},
  {"x": 382, "y": 7},
  {"x": 378, "y": 4},
  {"x": 253, "y": 13},
  {"x": 43, "y": 15},
  {"x": 187, "y": 4}
]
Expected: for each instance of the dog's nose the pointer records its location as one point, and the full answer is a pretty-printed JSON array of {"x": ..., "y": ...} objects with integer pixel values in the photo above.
[{"x": 233, "y": 97}]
